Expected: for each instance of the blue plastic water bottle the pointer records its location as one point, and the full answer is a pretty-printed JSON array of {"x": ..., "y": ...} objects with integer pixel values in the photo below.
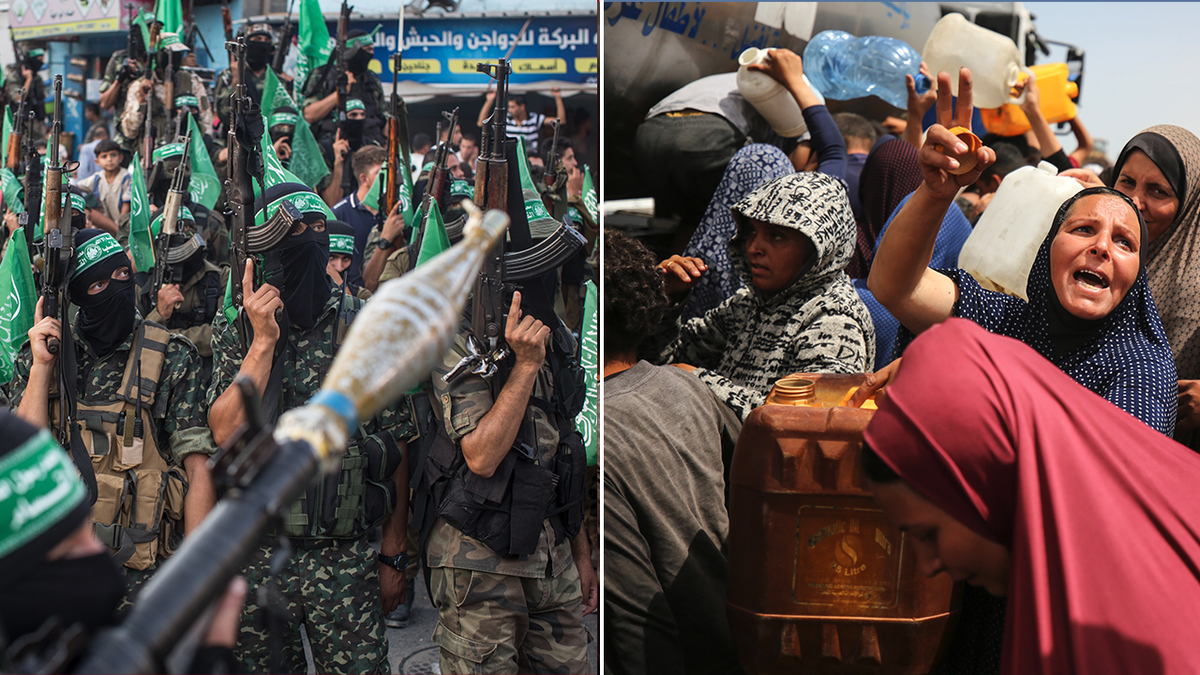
[{"x": 843, "y": 67}]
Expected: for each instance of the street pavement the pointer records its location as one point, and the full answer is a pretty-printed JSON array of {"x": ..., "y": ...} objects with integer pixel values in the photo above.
[{"x": 411, "y": 649}]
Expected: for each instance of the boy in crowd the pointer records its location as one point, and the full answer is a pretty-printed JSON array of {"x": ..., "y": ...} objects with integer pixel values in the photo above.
[{"x": 111, "y": 186}]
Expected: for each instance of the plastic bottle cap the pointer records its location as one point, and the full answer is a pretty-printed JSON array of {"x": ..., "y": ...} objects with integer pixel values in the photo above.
[
  {"x": 968, "y": 159},
  {"x": 752, "y": 55},
  {"x": 793, "y": 390}
]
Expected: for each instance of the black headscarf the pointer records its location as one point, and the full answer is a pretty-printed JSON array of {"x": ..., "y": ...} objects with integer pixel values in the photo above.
[
  {"x": 1164, "y": 155},
  {"x": 107, "y": 318}
]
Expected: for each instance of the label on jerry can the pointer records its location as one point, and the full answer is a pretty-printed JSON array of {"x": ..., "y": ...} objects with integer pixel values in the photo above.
[{"x": 846, "y": 558}]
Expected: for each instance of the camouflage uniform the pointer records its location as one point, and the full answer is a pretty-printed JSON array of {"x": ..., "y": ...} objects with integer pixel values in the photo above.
[
  {"x": 181, "y": 414},
  {"x": 200, "y": 334},
  {"x": 111, "y": 73},
  {"x": 498, "y": 614},
  {"x": 223, "y": 92},
  {"x": 367, "y": 89},
  {"x": 330, "y": 584},
  {"x": 14, "y": 81},
  {"x": 131, "y": 121}
]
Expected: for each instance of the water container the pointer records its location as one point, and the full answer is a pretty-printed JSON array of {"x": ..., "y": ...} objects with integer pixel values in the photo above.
[
  {"x": 845, "y": 67},
  {"x": 771, "y": 99},
  {"x": 1001, "y": 248},
  {"x": 1055, "y": 91},
  {"x": 994, "y": 59},
  {"x": 819, "y": 580}
]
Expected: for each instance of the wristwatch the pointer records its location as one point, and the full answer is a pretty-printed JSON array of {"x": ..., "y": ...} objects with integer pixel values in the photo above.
[
  {"x": 396, "y": 562},
  {"x": 384, "y": 244}
]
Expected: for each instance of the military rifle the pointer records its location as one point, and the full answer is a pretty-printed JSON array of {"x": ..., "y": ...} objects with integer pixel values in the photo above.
[
  {"x": 285, "y": 42},
  {"x": 438, "y": 185},
  {"x": 151, "y": 75},
  {"x": 491, "y": 192},
  {"x": 397, "y": 148},
  {"x": 57, "y": 254},
  {"x": 341, "y": 55},
  {"x": 33, "y": 187},
  {"x": 13, "y": 157},
  {"x": 169, "y": 93},
  {"x": 556, "y": 178},
  {"x": 164, "y": 272}
]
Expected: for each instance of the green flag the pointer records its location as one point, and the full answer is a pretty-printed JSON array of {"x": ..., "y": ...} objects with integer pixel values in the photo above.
[
  {"x": 14, "y": 192},
  {"x": 141, "y": 242},
  {"x": 541, "y": 223},
  {"x": 591, "y": 201},
  {"x": 17, "y": 300},
  {"x": 435, "y": 240},
  {"x": 275, "y": 173},
  {"x": 588, "y": 421},
  {"x": 313, "y": 41},
  {"x": 306, "y": 163},
  {"x": 204, "y": 187},
  {"x": 170, "y": 13},
  {"x": 376, "y": 191},
  {"x": 8, "y": 125}
]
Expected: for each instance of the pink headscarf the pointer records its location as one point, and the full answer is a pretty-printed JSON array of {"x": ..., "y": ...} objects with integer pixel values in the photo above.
[{"x": 1100, "y": 512}]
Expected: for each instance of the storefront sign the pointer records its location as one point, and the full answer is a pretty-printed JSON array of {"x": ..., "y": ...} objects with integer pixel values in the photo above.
[{"x": 42, "y": 19}]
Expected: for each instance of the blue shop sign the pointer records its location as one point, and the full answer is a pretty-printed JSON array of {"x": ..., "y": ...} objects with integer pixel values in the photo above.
[{"x": 445, "y": 51}]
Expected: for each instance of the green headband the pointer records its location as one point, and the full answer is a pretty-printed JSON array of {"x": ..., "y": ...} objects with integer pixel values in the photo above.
[
  {"x": 355, "y": 104},
  {"x": 305, "y": 202},
  {"x": 341, "y": 243},
  {"x": 167, "y": 151},
  {"x": 279, "y": 118},
  {"x": 367, "y": 40},
  {"x": 77, "y": 202},
  {"x": 462, "y": 187},
  {"x": 39, "y": 486},
  {"x": 36, "y": 53},
  {"x": 143, "y": 21},
  {"x": 188, "y": 100},
  {"x": 171, "y": 41},
  {"x": 94, "y": 250},
  {"x": 184, "y": 214}
]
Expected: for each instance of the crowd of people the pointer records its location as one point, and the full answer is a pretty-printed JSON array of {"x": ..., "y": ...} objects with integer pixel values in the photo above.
[
  {"x": 1020, "y": 443},
  {"x": 114, "y": 417}
]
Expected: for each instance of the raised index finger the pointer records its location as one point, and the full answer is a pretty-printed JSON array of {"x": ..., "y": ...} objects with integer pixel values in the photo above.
[
  {"x": 514, "y": 313},
  {"x": 945, "y": 101},
  {"x": 248, "y": 276}
]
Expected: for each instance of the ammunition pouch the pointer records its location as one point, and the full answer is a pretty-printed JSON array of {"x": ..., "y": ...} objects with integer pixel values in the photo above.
[{"x": 349, "y": 502}]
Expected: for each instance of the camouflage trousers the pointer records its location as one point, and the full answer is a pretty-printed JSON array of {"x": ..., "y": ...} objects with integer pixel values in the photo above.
[
  {"x": 134, "y": 580},
  {"x": 494, "y": 623},
  {"x": 333, "y": 591}
]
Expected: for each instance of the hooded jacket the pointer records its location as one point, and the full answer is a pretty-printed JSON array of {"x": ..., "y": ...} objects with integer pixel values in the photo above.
[{"x": 817, "y": 324}]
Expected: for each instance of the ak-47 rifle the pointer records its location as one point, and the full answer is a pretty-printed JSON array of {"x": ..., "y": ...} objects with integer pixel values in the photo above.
[
  {"x": 33, "y": 187},
  {"x": 57, "y": 256},
  {"x": 169, "y": 94},
  {"x": 285, "y": 42},
  {"x": 341, "y": 60},
  {"x": 165, "y": 273},
  {"x": 13, "y": 156},
  {"x": 491, "y": 192},
  {"x": 397, "y": 147},
  {"x": 151, "y": 75},
  {"x": 556, "y": 178},
  {"x": 438, "y": 185}
]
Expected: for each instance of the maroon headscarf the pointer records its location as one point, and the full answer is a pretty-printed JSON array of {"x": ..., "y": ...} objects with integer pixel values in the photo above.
[
  {"x": 890, "y": 174},
  {"x": 1098, "y": 510}
]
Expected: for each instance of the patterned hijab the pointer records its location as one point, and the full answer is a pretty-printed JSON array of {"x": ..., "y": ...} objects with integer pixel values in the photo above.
[
  {"x": 1174, "y": 258},
  {"x": 751, "y": 167},
  {"x": 1097, "y": 510},
  {"x": 890, "y": 174}
]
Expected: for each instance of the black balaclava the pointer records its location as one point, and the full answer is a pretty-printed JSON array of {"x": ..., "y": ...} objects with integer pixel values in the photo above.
[
  {"x": 258, "y": 54},
  {"x": 32, "y": 589},
  {"x": 361, "y": 58},
  {"x": 296, "y": 265},
  {"x": 107, "y": 318},
  {"x": 1068, "y": 332}
]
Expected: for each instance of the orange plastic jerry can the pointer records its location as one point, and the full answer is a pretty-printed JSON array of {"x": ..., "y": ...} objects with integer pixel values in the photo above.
[
  {"x": 1056, "y": 91},
  {"x": 819, "y": 580}
]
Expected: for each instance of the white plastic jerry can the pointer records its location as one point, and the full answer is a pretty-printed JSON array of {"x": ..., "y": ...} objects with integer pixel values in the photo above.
[
  {"x": 994, "y": 60},
  {"x": 771, "y": 99}
]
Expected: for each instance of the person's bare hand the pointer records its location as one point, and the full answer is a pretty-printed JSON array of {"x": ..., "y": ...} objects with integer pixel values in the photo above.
[
  {"x": 919, "y": 104},
  {"x": 1189, "y": 405},
  {"x": 1086, "y": 177},
  {"x": 589, "y": 584},
  {"x": 981, "y": 204},
  {"x": 556, "y": 92},
  {"x": 894, "y": 125},
  {"x": 490, "y": 95},
  {"x": 393, "y": 227},
  {"x": 12, "y": 222},
  {"x": 393, "y": 586},
  {"x": 350, "y": 79},
  {"x": 680, "y": 274},
  {"x": 525, "y": 335},
  {"x": 574, "y": 182},
  {"x": 784, "y": 65},
  {"x": 44, "y": 328},
  {"x": 282, "y": 149},
  {"x": 223, "y": 630},
  {"x": 260, "y": 306},
  {"x": 1032, "y": 103},
  {"x": 936, "y": 165},
  {"x": 341, "y": 147},
  {"x": 169, "y": 298},
  {"x": 874, "y": 384}
]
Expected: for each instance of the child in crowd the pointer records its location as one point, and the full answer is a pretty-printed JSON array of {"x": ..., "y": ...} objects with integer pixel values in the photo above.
[{"x": 111, "y": 186}]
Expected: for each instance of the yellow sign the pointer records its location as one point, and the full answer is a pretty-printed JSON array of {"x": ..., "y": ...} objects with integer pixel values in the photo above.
[
  {"x": 93, "y": 26},
  {"x": 583, "y": 65},
  {"x": 422, "y": 66},
  {"x": 460, "y": 66},
  {"x": 538, "y": 66}
]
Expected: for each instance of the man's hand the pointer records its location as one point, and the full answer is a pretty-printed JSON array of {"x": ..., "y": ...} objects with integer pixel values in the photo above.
[
  {"x": 393, "y": 227},
  {"x": 680, "y": 274},
  {"x": 28, "y": 74},
  {"x": 874, "y": 384},
  {"x": 1189, "y": 404},
  {"x": 12, "y": 222},
  {"x": 44, "y": 328},
  {"x": 260, "y": 307},
  {"x": 341, "y": 147},
  {"x": 169, "y": 298},
  {"x": 935, "y": 164},
  {"x": 1085, "y": 177},
  {"x": 223, "y": 630},
  {"x": 574, "y": 182},
  {"x": 526, "y": 336},
  {"x": 282, "y": 149},
  {"x": 1032, "y": 104},
  {"x": 556, "y": 92},
  {"x": 784, "y": 65},
  {"x": 393, "y": 586},
  {"x": 589, "y": 583}
]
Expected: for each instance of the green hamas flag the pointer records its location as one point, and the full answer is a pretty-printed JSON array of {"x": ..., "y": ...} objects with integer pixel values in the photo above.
[
  {"x": 591, "y": 201},
  {"x": 170, "y": 13},
  {"x": 17, "y": 300},
  {"x": 587, "y": 423},
  {"x": 8, "y": 125},
  {"x": 313, "y": 42},
  {"x": 141, "y": 243},
  {"x": 204, "y": 187},
  {"x": 13, "y": 191},
  {"x": 275, "y": 173},
  {"x": 435, "y": 240},
  {"x": 306, "y": 163},
  {"x": 541, "y": 223},
  {"x": 376, "y": 191}
]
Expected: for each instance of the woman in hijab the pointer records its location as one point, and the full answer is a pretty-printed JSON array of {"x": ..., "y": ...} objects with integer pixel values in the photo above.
[
  {"x": 751, "y": 167},
  {"x": 798, "y": 311},
  {"x": 1006, "y": 474},
  {"x": 1160, "y": 170},
  {"x": 1089, "y": 309}
]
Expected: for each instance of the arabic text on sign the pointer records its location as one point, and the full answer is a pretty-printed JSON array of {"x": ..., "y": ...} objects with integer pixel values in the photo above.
[
  {"x": 527, "y": 66},
  {"x": 421, "y": 66},
  {"x": 587, "y": 65}
]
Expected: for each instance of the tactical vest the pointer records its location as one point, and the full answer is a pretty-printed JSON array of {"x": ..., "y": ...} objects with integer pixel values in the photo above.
[
  {"x": 361, "y": 495},
  {"x": 506, "y": 510},
  {"x": 139, "y": 504},
  {"x": 209, "y": 294}
]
